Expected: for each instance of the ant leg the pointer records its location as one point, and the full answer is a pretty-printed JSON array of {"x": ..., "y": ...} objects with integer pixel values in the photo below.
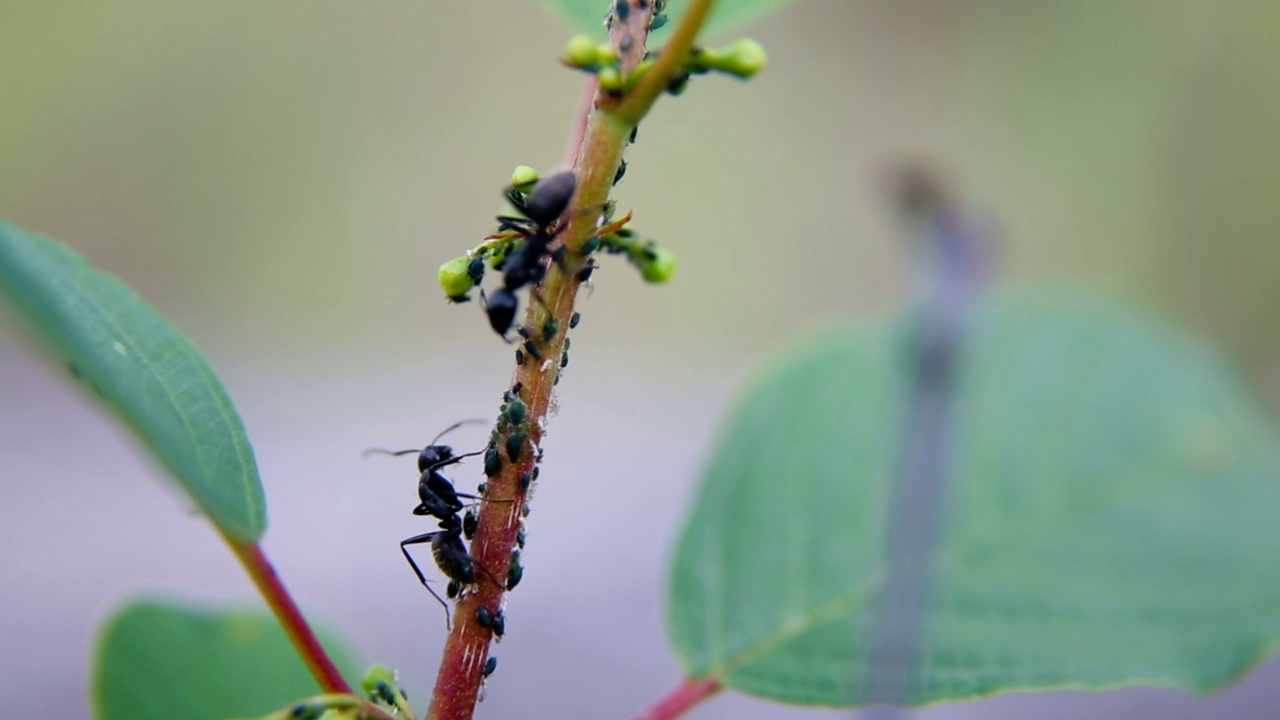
[
  {"x": 419, "y": 540},
  {"x": 482, "y": 499},
  {"x": 477, "y": 563}
]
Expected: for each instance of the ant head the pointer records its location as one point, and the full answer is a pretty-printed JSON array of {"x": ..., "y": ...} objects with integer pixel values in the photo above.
[
  {"x": 433, "y": 455},
  {"x": 550, "y": 197}
]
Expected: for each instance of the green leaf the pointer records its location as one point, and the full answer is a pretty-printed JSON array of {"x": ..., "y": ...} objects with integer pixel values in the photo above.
[
  {"x": 588, "y": 15},
  {"x": 1110, "y": 516},
  {"x": 143, "y": 368},
  {"x": 159, "y": 661}
]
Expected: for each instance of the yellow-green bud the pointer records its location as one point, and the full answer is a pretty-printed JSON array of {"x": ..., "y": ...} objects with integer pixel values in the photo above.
[
  {"x": 610, "y": 79},
  {"x": 659, "y": 266},
  {"x": 523, "y": 178},
  {"x": 454, "y": 279},
  {"x": 605, "y": 54},
  {"x": 582, "y": 53},
  {"x": 743, "y": 58}
]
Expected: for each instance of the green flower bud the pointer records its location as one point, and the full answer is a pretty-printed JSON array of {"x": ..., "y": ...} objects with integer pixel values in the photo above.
[
  {"x": 744, "y": 58},
  {"x": 581, "y": 52},
  {"x": 657, "y": 265},
  {"x": 523, "y": 178},
  {"x": 454, "y": 279},
  {"x": 610, "y": 79},
  {"x": 605, "y": 54}
]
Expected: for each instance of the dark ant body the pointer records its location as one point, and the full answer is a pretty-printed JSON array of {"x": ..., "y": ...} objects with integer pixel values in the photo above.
[
  {"x": 527, "y": 264},
  {"x": 438, "y": 498}
]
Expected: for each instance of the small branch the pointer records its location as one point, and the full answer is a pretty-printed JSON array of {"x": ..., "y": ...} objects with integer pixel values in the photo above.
[
  {"x": 669, "y": 64},
  {"x": 596, "y": 143},
  {"x": 295, "y": 626},
  {"x": 680, "y": 700}
]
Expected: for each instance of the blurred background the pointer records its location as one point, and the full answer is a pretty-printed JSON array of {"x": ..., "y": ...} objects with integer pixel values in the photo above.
[{"x": 282, "y": 180}]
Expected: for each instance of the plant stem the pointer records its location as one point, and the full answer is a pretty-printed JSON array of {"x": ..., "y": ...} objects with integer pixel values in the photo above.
[
  {"x": 597, "y": 156},
  {"x": 680, "y": 700},
  {"x": 286, "y": 611}
]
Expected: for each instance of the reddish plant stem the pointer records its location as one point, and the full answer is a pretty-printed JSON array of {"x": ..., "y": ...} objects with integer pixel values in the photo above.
[
  {"x": 680, "y": 700},
  {"x": 595, "y": 144},
  {"x": 286, "y": 611}
]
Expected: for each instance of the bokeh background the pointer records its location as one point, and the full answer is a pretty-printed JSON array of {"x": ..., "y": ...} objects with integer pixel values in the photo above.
[{"x": 283, "y": 178}]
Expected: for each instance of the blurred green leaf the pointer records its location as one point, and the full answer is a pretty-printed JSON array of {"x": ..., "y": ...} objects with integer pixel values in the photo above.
[
  {"x": 143, "y": 368},
  {"x": 1110, "y": 516},
  {"x": 588, "y": 15},
  {"x": 159, "y": 661}
]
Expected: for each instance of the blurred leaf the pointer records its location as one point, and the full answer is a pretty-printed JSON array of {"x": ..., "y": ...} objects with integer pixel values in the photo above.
[
  {"x": 1109, "y": 519},
  {"x": 588, "y": 15},
  {"x": 158, "y": 661},
  {"x": 144, "y": 369}
]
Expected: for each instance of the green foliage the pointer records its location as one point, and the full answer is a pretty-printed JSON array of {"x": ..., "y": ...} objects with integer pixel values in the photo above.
[
  {"x": 588, "y": 15},
  {"x": 158, "y": 661},
  {"x": 142, "y": 367},
  {"x": 1109, "y": 516}
]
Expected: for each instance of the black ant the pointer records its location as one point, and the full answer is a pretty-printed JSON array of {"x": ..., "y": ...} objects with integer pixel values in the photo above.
[
  {"x": 527, "y": 264},
  {"x": 438, "y": 498}
]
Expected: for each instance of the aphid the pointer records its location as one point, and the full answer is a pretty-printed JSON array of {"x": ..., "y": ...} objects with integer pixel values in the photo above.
[
  {"x": 475, "y": 269},
  {"x": 516, "y": 572},
  {"x": 622, "y": 8},
  {"x": 519, "y": 356},
  {"x": 532, "y": 349},
  {"x": 470, "y": 521},
  {"x": 584, "y": 275},
  {"x": 591, "y": 245},
  {"x": 549, "y": 329},
  {"x": 492, "y": 462},
  {"x": 489, "y": 666},
  {"x": 516, "y": 412},
  {"x": 515, "y": 445},
  {"x": 500, "y": 624},
  {"x": 635, "y": 130},
  {"x": 482, "y": 488},
  {"x": 524, "y": 332},
  {"x": 526, "y": 479},
  {"x": 564, "y": 359},
  {"x": 622, "y": 170},
  {"x": 574, "y": 319},
  {"x": 521, "y": 537},
  {"x": 483, "y": 617},
  {"x": 453, "y": 589}
]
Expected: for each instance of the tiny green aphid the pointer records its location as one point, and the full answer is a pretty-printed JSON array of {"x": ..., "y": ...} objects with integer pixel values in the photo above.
[
  {"x": 492, "y": 462},
  {"x": 517, "y": 412},
  {"x": 484, "y": 617},
  {"x": 515, "y": 445}
]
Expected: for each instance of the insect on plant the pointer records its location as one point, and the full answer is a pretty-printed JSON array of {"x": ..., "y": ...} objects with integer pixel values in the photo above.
[{"x": 438, "y": 498}]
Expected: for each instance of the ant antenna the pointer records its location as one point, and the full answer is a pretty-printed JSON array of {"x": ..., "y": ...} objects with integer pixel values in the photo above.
[
  {"x": 455, "y": 426},
  {"x": 380, "y": 451}
]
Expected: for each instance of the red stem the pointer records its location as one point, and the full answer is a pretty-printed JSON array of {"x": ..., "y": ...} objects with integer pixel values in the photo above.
[
  {"x": 680, "y": 700},
  {"x": 286, "y": 611}
]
